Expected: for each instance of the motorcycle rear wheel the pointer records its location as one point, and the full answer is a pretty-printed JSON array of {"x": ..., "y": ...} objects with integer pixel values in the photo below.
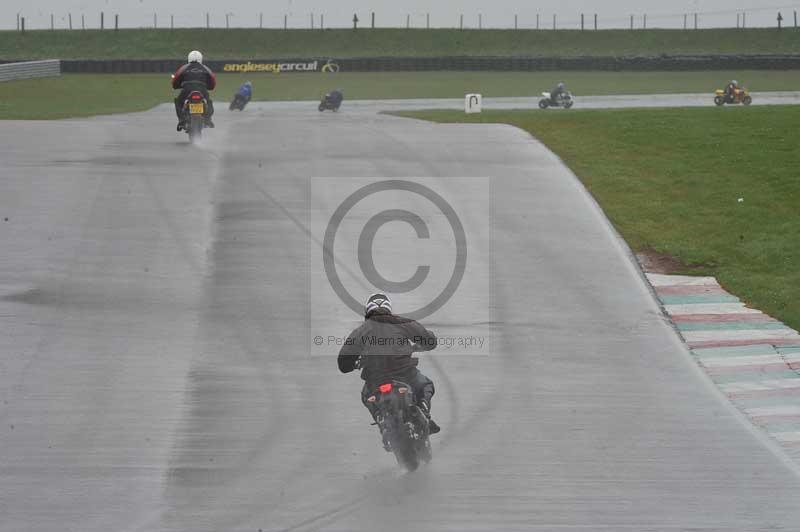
[
  {"x": 719, "y": 101},
  {"x": 195, "y": 129},
  {"x": 407, "y": 457},
  {"x": 543, "y": 104}
]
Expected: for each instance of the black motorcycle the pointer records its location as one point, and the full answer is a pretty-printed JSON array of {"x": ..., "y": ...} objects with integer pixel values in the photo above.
[
  {"x": 194, "y": 111},
  {"x": 403, "y": 425},
  {"x": 329, "y": 104},
  {"x": 238, "y": 102}
]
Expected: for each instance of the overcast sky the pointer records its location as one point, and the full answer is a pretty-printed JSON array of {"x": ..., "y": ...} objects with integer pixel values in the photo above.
[{"x": 443, "y": 13}]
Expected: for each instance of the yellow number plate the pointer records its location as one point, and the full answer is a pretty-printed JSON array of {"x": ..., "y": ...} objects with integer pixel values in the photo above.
[{"x": 196, "y": 108}]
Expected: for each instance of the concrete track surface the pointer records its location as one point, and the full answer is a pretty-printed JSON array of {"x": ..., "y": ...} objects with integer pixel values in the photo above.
[{"x": 156, "y": 372}]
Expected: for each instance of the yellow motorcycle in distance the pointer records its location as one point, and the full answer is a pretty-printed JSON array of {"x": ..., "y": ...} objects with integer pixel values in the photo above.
[{"x": 739, "y": 96}]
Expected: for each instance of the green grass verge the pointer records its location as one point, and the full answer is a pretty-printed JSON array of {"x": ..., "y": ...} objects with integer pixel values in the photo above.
[
  {"x": 254, "y": 43},
  {"x": 75, "y": 95},
  {"x": 669, "y": 180}
]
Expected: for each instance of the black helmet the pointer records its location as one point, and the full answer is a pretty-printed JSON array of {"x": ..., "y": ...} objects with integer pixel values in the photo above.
[{"x": 377, "y": 302}]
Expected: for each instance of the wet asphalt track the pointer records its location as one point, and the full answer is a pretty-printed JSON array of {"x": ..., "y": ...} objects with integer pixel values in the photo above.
[{"x": 156, "y": 370}]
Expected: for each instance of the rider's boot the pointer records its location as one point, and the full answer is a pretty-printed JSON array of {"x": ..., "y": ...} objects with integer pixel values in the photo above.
[
  {"x": 181, "y": 125},
  {"x": 425, "y": 406},
  {"x": 208, "y": 121}
]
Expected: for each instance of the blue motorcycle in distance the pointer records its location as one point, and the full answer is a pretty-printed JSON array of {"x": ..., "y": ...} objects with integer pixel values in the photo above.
[{"x": 242, "y": 97}]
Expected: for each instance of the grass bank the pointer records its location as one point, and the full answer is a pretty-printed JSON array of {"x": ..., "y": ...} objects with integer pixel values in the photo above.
[
  {"x": 272, "y": 43},
  {"x": 670, "y": 181},
  {"x": 76, "y": 95}
]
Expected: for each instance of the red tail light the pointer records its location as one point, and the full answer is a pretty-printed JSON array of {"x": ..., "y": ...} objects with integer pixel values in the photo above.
[
  {"x": 385, "y": 388},
  {"x": 196, "y": 96}
]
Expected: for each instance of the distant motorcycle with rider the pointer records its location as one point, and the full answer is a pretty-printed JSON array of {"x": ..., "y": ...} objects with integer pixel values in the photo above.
[{"x": 558, "y": 97}]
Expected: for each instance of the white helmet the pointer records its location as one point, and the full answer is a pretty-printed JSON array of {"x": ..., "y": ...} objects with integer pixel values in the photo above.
[{"x": 195, "y": 57}]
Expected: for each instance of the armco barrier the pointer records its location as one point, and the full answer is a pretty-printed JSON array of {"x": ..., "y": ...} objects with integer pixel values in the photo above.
[
  {"x": 30, "y": 69},
  {"x": 389, "y": 64}
]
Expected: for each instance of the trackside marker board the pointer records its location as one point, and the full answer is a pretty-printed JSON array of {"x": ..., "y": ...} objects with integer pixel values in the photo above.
[{"x": 473, "y": 103}]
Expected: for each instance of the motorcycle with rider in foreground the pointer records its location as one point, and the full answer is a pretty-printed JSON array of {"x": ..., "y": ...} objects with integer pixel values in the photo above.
[
  {"x": 193, "y": 105},
  {"x": 397, "y": 395}
]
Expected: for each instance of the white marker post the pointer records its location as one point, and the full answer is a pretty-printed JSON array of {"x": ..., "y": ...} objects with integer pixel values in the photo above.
[{"x": 473, "y": 103}]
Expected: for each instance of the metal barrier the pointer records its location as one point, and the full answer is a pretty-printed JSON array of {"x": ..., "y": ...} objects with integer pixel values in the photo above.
[{"x": 30, "y": 69}]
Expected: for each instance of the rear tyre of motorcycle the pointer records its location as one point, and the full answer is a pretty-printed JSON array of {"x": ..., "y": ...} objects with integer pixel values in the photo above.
[
  {"x": 747, "y": 100},
  {"x": 543, "y": 104},
  {"x": 719, "y": 100},
  {"x": 195, "y": 128},
  {"x": 568, "y": 104},
  {"x": 407, "y": 457}
]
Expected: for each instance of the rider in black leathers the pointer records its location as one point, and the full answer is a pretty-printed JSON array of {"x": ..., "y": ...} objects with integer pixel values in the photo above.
[
  {"x": 382, "y": 348},
  {"x": 558, "y": 92},
  {"x": 335, "y": 97},
  {"x": 194, "y": 76},
  {"x": 730, "y": 90}
]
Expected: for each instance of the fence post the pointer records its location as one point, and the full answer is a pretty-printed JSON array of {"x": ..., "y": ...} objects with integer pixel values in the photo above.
[
  {"x": 102, "y": 20},
  {"x": 52, "y": 23},
  {"x": 208, "y": 20},
  {"x": 644, "y": 22},
  {"x": 261, "y": 21},
  {"x": 516, "y": 26},
  {"x": 83, "y": 21},
  {"x": 595, "y": 21},
  {"x": 581, "y": 21},
  {"x": 737, "y": 20},
  {"x": 695, "y": 21},
  {"x": 461, "y": 22},
  {"x": 684, "y": 20},
  {"x": 285, "y": 22},
  {"x": 373, "y": 20},
  {"x": 480, "y": 21},
  {"x": 537, "y": 21},
  {"x": 116, "y": 22},
  {"x": 17, "y": 21},
  {"x": 228, "y": 21},
  {"x": 22, "y": 24},
  {"x": 155, "y": 21},
  {"x": 312, "y": 21},
  {"x": 631, "y": 21},
  {"x": 172, "y": 22},
  {"x": 554, "y": 21},
  {"x": 408, "y": 21},
  {"x": 744, "y": 19},
  {"x": 427, "y": 21},
  {"x": 70, "y": 21},
  {"x": 795, "y": 18},
  {"x": 322, "y": 21}
]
